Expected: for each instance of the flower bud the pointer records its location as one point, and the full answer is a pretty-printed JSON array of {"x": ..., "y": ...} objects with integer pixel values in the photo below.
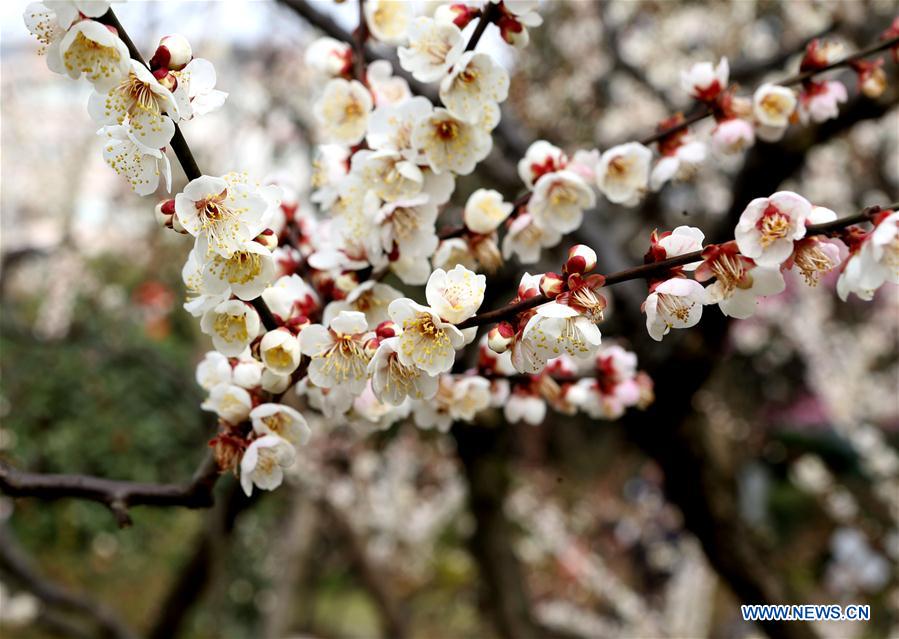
[
  {"x": 551, "y": 284},
  {"x": 458, "y": 14},
  {"x": 268, "y": 239},
  {"x": 344, "y": 283},
  {"x": 280, "y": 351},
  {"x": 874, "y": 83},
  {"x": 499, "y": 338},
  {"x": 296, "y": 324},
  {"x": 581, "y": 258},
  {"x": 166, "y": 78},
  {"x": 387, "y": 329},
  {"x": 173, "y": 53},
  {"x": 371, "y": 347},
  {"x": 274, "y": 382}
]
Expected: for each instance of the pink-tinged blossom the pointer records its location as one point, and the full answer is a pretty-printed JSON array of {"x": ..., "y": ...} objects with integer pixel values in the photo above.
[
  {"x": 541, "y": 158},
  {"x": 681, "y": 164},
  {"x": 559, "y": 201},
  {"x": 769, "y": 226},
  {"x": 739, "y": 282},
  {"x": 455, "y": 295},
  {"x": 264, "y": 462},
  {"x": 874, "y": 262},
  {"x": 526, "y": 239},
  {"x": 674, "y": 303},
  {"x": 622, "y": 174},
  {"x": 704, "y": 81},
  {"x": 555, "y": 329},
  {"x": 820, "y": 101},
  {"x": 733, "y": 136}
]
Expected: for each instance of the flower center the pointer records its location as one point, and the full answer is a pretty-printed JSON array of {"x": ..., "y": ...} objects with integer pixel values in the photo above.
[
  {"x": 240, "y": 268},
  {"x": 447, "y": 130},
  {"x": 344, "y": 360},
  {"x": 231, "y": 328},
  {"x": 731, "y": 273},
  {"x": 620, "y": 166},
  {"x": 773, "y": 226},
  {"x": 589, "y": 303},
  {"x": 812, "y": 262},
  {"x": 675, "y": 306}
]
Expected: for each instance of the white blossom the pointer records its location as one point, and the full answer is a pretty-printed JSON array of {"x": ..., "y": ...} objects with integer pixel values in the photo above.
[
  {"x": 141, "y": 103},
  {"x": 426, "y": 341},
  {"x": 281, "y": 420},
  {"x": 450, "y": 143},
  {"x": 371, "y": 298},
  {"x": 91, "y": 49},
  {"x": 392, "y": 381},
  {"x": 524, "y": 407},
  {"x": 388, "y": 20},
  {"x": 196, "y": 93},
  {"x": 769, "y": 226},
  {"x": 821, "y": 102},
  {"x": 280, "y": 351},
  {"x": 222, "y": 212},
  {"x": 623, "y": 173},
  {"x": 681, "y": 165},
  {"x": 213, "y": 369},
  {"x": 342, "y": 111},
  {"x": 329, "y": 57},
  {"x": 142, "y": 166},
  {"x": 540, "y": 158},
  {"x": 338, "y": 354},
  {"x": 232, "y": 325},
  {"x": 675, "y": 303},
  {"x": 555, "y": 329},
  {"x": 391, "y": 125},
  {"x": 704, "y": 81},
  {"x": 875, "y": 262},
  {"x": 386, "y": 87},
  {"x": 433, "y": 48},
  {"x": 559, "y": 200},
  {"x": 485, "y": 210},
  {"x": 526, "y": 239},
  {"x": 230, "y": 402},
  {"x": 475, "y": 80},
  {"x": 772, "y": 106},
  {"x": 264, "y": 462},
  {"x": 455, "y": 295}
]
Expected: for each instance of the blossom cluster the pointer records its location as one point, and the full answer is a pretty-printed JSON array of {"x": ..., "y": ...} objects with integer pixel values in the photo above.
[
  {"x": 295, "y": 300},
  {"x": 135, "y": 106}
]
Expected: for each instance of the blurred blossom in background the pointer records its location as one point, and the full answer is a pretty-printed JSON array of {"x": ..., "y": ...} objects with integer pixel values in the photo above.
[{"x": 792, "y": 440}]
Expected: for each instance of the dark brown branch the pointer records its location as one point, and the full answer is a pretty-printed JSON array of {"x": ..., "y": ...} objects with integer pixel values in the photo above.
[
  {"x": 116, "y": 495},
  {"x": 489, "y": 13},
  {"x": 15, "y": 562},
  {"x": 654, "y": 269},
  {"x": 360, "y": 36},
  {"x": 181, "y": 149},
  {"x": 789, "y": 81}
]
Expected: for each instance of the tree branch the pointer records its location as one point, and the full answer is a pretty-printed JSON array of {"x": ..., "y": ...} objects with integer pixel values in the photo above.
[
  {"x": 654, "y": 269},
  {"x": 16, "y": 562},
  {"x": 116, "y": 495}
]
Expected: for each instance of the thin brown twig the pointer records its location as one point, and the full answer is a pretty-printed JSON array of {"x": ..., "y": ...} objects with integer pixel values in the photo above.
[
  {"x": 654, "y": 269},
  {"x": 180, "y": 148},
  {"x": 117, "y": 495}
]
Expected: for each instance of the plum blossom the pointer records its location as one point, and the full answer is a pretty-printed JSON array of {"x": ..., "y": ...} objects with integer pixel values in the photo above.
[
  {"x": 371, "y": 298},
  {"x": 525, "y": 407},
  {"x": 455, "y": 295},
  {"x": 140, "y": 102},
  {"x": 433, "y": 48},
  {"x": 338, "y": 354},
  {"x": 408, "y": 225},
  {"x": 623, "y": 173},
  {"x": 820, "y": 101},
  {"x": 485, "y": 210},
  {"x": 232, "y": 324},
  {"x": 541, "y": 158},
  {"x": 769, "y": 226},
  {"x": 280, "y": 351},
  {"x": 386, "y": 87},
  {"x": 738, "y": 281},
  {"x": 141, "y": 165},
  {"x": 329, "y": 57},
  {"x": 732, "y": 136},
  {"x": 681, "y": 164},
  {"x": 475, "y": 80},
  {"x": 264, "y": 462},
  {"x": 392, "y": 381},
  {"x": 426, "y": 341},
  {"x": 454, "y": 251},
  {"x": 93, "y": 50},
  {"x": 388, "y": 174},
  {"x": 281, "y": 420},
  {"x": 213, "y": 369},
  {"x": 247, "y": 371},
  {"x": 343, "y": 111},
  {"x": 48, "y": 25},
  {"x": 704, "y": 81},
  {"x": 289, "y": 297},
  {"x": 772, "y": 106},
  {"x": 559, "y": 201},
  {"x": 674, "y": 303},
  {"x": 470, "y": 395},
  {"x": 555, "y": 329},
  {"x": 515, "y": 17},
  {"x": 222, "y": 212},
  {"x": 195, "y": 92},
  {"x": 876, "y": 261},
  {"x": 526, "y": 239},
  {"x": 680, "y": 241},
  {"x": 388, "y": 20},
  {"x": 391, "y": 125},
  {"x": 450, "y": 143},
  {"x": 230, "y": 402}
]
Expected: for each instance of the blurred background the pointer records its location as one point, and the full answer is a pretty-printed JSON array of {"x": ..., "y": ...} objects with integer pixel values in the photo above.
[{"x": 765, "y": 471}]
